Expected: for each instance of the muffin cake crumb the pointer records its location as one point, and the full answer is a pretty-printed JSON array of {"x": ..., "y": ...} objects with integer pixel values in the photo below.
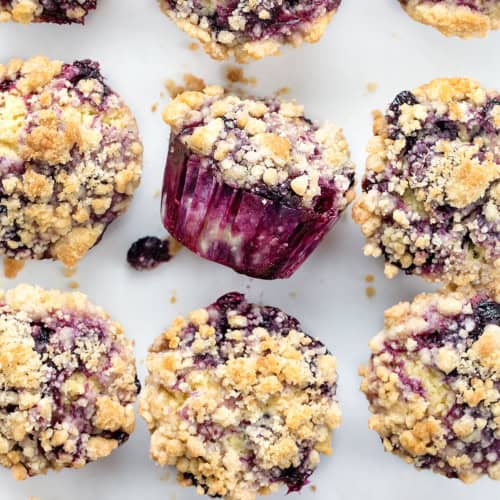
[{"x": 12, "y": 267}]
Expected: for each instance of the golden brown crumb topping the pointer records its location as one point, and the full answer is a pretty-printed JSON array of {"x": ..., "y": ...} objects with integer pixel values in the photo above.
[
  {"x": 67, "y": 381},
  {"x": 71, "y": 158},
  {"x": 236, "y": 406},
  {"x": 263, "y": 142},
  {"x": 433, "y": 383}
]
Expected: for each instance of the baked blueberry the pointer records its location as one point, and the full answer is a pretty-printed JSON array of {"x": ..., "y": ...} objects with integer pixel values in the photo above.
[
  {"x": 431, "y": 192},
  {"x": 70, "y": 158},
  {"x": 463, "y": 18},
  {"x": 433, "y": 383},
  {"x": 67, "y": 381},
  {"x": 251, "y": 30},
  {"x": 46, "y": 11},
  {"x": 252, "y": 183},
  {"x": 239, "y": 399}
]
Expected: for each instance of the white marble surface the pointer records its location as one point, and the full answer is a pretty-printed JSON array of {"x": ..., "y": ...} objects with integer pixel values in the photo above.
[{"x": 368, "y": 41}]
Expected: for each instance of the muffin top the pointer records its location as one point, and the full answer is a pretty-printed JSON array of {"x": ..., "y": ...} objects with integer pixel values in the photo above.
[
  {"x": 250, "y": 29},
  {"x": 431, "y": 192},
  {"x": 67, "y": 381},
  {"x": 70, "y": 158},
  {"x": 53, "y": 11},
  {"x": 463, "y": 18},
  {"x": 250, "y": 397},
  {"x": 433, "y": 383},
  {"x": 266, "y": 146}
]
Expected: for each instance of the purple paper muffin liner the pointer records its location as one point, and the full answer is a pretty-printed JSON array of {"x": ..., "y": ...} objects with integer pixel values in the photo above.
[{"x": 252, "y": 234}]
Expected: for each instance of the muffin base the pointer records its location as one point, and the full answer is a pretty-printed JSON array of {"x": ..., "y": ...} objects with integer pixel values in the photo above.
[
  {"x": 248, "y": 51},
  {"x": 458, "y": 21}
]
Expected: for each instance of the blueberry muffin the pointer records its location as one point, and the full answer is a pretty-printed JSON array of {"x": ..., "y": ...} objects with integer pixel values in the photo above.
[
  {"x": 252, "y": 183},
  {"x": 433, "y": 383},
  {"x": 67, "y": 381},
  {"x": 70, "y": 158},
  {"x": 240, "y": 400},
  {"x": 462, "y": 18},
  {"x": 250, "y": 30},
  {"x": 431, "y": 193},
  {"x": 46, "y": 11}
]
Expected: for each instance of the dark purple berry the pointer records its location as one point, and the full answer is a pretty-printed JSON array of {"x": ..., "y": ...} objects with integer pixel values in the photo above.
[{"x": 148, "y": 252}]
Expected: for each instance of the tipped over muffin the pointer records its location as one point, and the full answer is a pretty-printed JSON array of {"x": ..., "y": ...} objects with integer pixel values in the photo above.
[{"x": 252, "y": 183}]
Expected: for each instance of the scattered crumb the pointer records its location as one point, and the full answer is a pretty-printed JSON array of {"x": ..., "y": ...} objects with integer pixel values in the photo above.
[
  {"x": 157, "y": 193},
  {"x": 165, "y": 476},
  {"x": 11, "y": 267},
  {"x": 313, "y": 488},
  {"x": 235, "y": 74},
  {"x": 191, "y": 82},
  {"x": 74, "y": 285},
  {"x": 162, "y": 95},
  {"x": 69, "y": 271},
  {"x": 292, "y": 295},
  {"x": 369, "y": 278},
  {"x": 371, "y": 87},
  {"x": 173, "y": 299},
  {"x": 193, "y": 46},
  {"x": 33, "y": 498},
  {"x": 154, "y": 107},
  {"x": 282, "y": 91},
  {"x": 370, "y": 292},
  {"x": 175, "y": 247}
]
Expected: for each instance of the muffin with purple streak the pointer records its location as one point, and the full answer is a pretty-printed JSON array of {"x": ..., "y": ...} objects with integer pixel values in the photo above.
[
  {"x": 433, "y": 383},
  {"x": 431, "y": 192},
  {"x": 46, "y": 11},
  {"x": 250, "y": 30},
  {"x": 252, "y": 183},
  {"x": 240, "y": 400},
  {"x": 67, "y": 381},
  {"x": 462, "y": 18},
  {"x": 70, "y": 158}
]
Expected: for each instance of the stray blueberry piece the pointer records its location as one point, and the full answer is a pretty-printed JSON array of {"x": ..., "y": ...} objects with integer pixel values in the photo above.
[{"x": 148, "y": 252}]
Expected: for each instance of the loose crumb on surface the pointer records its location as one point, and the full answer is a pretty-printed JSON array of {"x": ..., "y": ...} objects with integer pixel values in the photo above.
[
  {"x": 190, "y": 82},
  {"x": 173, "y": 298},
  {"x": 74, "y": 285},
  {"x": 193, "y": 46},
  {"x": 69, "y": 271},
  {"x": 282, "y": 91},
  {"x": 11, "y": 267},
  {"x": 175, "y": 246},
  {"x": 292, "y": 295},
  {"x": 370, "y": 292},
  {"x": 314, "y": 488},
  {"x": 369, "y": 278},
  {"x": 154, "y": 107},
  {"x": 371, "y": 87},
  {"x": 235, "y": 74}
]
